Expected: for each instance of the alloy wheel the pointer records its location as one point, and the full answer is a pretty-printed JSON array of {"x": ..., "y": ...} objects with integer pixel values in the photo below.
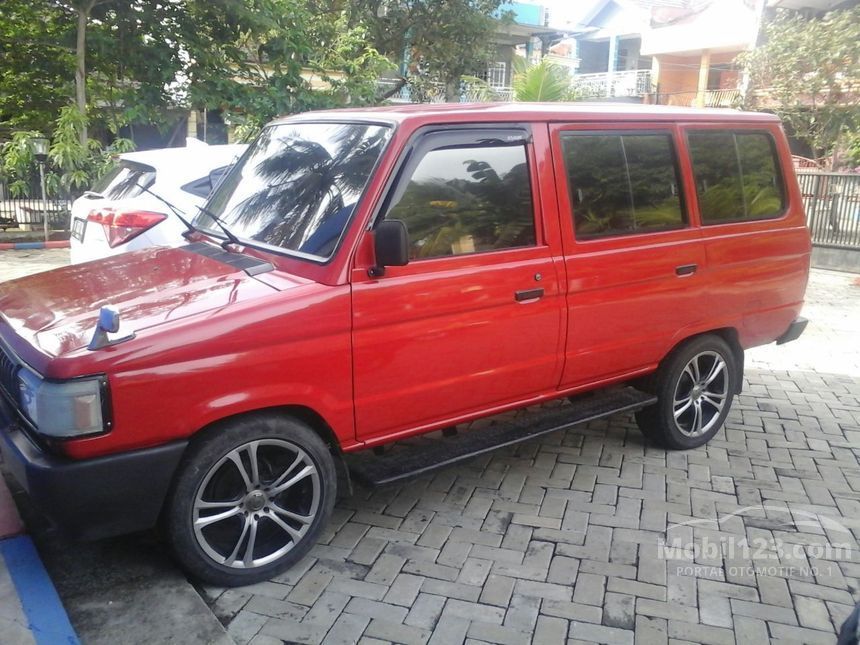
[
  {"x": 256, "y": 503},
  {"x": 700, "y": 394}
]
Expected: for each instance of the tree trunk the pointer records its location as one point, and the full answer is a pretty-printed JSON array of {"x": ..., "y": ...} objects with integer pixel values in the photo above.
[
  {"x": 80, "y": 68},
  {"x": 452, "y": 91}
]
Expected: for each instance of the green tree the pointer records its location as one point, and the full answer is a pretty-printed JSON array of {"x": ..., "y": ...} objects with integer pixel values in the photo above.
[
  {"x": 257, "y": 59},
  {"x": 142, "y": 60},
  {"x": 442, "y": 41},
  {"x": 808, "y": 71},
  {"x": 72, "y": 166},
  {"x": 34, "y": 64},
  {"x": 82, "y": 10},
  {"x": 544, "y": 81}
]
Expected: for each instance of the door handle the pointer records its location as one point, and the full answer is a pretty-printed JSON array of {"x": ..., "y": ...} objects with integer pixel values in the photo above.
[
  {"x": 686, "y": 269},
  {"x": 528, "y": 294}
]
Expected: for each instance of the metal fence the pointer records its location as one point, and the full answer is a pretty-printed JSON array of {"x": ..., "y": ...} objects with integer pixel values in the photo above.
[
  {"x": 28, "y": 212},
  {"x": 832, "y": 204},
  {"x": 634, "y": 82}
]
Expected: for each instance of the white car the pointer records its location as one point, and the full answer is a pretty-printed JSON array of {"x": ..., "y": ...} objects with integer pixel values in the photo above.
[{"x": 120, "y": 214}]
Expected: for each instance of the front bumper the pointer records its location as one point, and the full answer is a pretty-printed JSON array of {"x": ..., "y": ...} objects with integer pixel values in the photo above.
[{"x": 92, "y": 498}]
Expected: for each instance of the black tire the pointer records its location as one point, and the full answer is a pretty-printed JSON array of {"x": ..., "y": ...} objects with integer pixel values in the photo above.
[
  {"x": 699, "y": 421},
  {"x": 286, "y": 523}
]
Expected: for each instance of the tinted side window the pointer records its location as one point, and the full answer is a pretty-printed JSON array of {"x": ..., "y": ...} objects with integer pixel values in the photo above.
[
  {"x": 467, "y": 200},
  {"x": 622, "y": 183},
  {"x": 763, "y": 190},
  {"x": 200, "y": 187},
  {"x": 736, "y": 176}
]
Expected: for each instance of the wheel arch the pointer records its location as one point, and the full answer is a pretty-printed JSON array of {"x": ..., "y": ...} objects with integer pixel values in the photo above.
[
  {"x": 316, "y": 422},
  {"x": 307, "y": 415},
  {"x": 728, "y": 334}
]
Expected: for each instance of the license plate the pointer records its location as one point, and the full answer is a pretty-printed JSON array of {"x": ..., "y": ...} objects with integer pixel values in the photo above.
[{"x": 78, "y": 228}]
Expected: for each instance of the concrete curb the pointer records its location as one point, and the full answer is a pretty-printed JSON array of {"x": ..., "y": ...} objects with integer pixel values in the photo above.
[
  {"x": 46, "y": 617},
  {"x": 32, "y": 609},
  {"x": 22, "y": 246}
]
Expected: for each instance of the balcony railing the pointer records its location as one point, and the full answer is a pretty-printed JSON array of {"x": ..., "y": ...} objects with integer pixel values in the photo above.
[
  {"x": 722, "y": 98},
  {"x": 712, "y": 98},
  {"x": 635, "y": 82}
]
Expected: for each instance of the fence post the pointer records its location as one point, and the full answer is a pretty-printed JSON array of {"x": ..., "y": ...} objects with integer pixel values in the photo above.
[
  {"x": 813, "y": 204},
  {"x": 44, "y": 201}
]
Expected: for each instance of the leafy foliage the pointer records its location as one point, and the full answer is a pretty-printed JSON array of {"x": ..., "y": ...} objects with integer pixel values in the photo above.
[
  {"x": 439, "y": 41},
  {"x": 544, "y": 81},
  {"x": 146, "y": 58},
  {"x": 261, "y": 58},
  {"x": 36, "y": 63},
  {"x": 808, "y": 72},
  {"x": 71, "y": 165}
]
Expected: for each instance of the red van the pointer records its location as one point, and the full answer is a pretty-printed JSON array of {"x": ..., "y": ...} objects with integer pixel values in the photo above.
[{"x": 364, "y": 276}]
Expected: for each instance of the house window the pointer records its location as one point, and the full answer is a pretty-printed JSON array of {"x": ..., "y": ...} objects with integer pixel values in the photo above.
[{"x": 496, "y": 74}]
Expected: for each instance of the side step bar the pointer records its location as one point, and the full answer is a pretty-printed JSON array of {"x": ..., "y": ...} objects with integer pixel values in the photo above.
[{"x": 416, "y": 456}]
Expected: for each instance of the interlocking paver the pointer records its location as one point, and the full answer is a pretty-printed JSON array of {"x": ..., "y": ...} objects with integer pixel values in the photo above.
[
  {"x": 425, "y": 610},
  {"x": 346, "y": 630},
  {"x": 572, "y": 611},
  {"x": 523, "y": 612},
  {"x": 497, "y": 590},
  {"x": 559, "y": 540},
  {"x": 618, "y": 610},
  {"x": 600, "y": 634},
  {"x": 397, "y": 632}
]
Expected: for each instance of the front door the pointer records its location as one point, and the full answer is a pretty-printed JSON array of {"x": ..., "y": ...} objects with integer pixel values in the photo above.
[{"x": 474, "y": 320}]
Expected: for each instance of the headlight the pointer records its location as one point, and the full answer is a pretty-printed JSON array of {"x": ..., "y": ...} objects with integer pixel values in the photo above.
[{"x": 64, "y": 408}]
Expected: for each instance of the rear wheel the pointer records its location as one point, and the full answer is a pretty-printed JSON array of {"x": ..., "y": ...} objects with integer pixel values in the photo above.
[
  {"x": 695, "y": 387},
  {"x": 250, "y": 500}
]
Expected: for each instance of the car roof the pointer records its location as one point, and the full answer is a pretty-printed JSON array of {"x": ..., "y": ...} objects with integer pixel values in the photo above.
[
  {"x": 178, "y": 158},
  {"x": 421, "y": 113},
  {"x": 180, "y": 165}
]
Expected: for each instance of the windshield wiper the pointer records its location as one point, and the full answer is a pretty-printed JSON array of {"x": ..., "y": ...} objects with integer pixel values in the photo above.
[
  {"x": 231, "y": 238},
  {"x": 175, "y": 209}
]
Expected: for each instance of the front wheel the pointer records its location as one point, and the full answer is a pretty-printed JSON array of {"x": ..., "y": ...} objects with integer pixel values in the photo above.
[
  {"x": 695, "y": 387},
  {"x": 250, "y": 499}
]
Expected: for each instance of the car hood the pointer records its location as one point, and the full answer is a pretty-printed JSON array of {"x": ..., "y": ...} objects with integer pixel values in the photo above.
[{"x": 56, "y": 311}]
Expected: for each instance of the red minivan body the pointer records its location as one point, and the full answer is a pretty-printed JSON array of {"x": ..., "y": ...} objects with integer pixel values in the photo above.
[{"x": 571, "y": 301}]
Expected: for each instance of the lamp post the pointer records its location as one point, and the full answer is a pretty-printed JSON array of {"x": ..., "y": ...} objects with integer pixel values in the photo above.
[{"x": 40, "y": 151}]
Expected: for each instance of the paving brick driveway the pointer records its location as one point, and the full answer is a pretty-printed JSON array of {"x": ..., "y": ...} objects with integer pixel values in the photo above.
[{"x": 584, "y": 535}]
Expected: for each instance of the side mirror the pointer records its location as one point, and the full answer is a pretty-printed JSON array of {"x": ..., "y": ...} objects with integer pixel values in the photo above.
[
  {"x": 391, "y": 243},
  {"x": 108, "y": 323}
]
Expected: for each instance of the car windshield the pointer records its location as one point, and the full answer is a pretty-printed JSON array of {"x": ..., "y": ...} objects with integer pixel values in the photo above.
[{"x": 296, "y": 186}]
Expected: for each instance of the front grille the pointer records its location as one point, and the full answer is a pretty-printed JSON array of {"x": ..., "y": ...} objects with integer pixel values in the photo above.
[{"x": 8, "y": 370}]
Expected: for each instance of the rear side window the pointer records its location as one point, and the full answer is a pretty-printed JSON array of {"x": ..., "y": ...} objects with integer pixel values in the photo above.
[
  {"x": 737, "y": 176},
  {"x": 127, "y": 179},
  {"x": 200, "y": 187},
  {"x": 467, "y": 200},
  {"x": 622, "y": 183}
]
